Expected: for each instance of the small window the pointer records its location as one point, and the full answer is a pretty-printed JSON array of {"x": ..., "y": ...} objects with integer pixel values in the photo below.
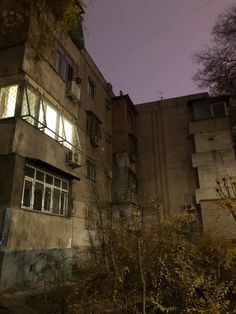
[
  {"x": 91, "y": 89},
  {"x": 219, "y": 109},
  {"x": 94, "y": 128},
  {"x": 132, "y": 181},
  {"x": 44, "y": 191},
  {"x": 64, "y": 64},
  {"x": 89, "y": 218},
  {"x": 8, "y": 96},
  {"x": 91, "y": 169}
]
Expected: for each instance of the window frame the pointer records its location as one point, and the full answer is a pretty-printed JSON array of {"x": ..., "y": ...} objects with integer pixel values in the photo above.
[
  {"x": 91, "y": 89},
  {"x": 93, "y": 128},
  {"x": 64, "y": 64},
  {"x": 90, "y": 169},
  {"x": 62, "y": 211},
  {"x": 39, "y": 118}
]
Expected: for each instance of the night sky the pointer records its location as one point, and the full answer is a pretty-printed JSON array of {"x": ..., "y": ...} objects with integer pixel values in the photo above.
[{"x": 144, "y": 47}]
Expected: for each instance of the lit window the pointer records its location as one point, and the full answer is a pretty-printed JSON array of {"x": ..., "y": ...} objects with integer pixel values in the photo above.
[
  {"x": 51, "y": 121},
  {"x": 44, "y": 191},
  {"x": 91, "y": 89},
  {"x": 40, "y": 113},
  {"x": 8, "y": 101},
  {"x": 91, "y": 169}
]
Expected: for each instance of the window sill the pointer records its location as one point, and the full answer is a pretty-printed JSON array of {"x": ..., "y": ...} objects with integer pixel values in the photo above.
[{"x": 43, "y": 212}]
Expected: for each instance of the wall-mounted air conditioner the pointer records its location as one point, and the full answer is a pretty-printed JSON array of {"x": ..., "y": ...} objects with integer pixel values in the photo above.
[
  {"x": 74, "y": 159},
  {"x": 73, "y": 91},
  {"x": 189, "y": 207}
]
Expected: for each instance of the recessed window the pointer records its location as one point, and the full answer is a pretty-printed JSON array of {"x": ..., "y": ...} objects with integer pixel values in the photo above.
[
  {"x": 94, "y": 128},
  {"x": 39, "y": 112},
  {"x": 64, "y": 64},
  {"x": 91, "y": 89},
  {"x": 45, "y": 191},
  {"x": 89, "y": 218},
  {"x": 132, "y": 181},
  {"x": 91, "y": 169},
  {"x": 133, "y": 149},
  {"x": 208, "y": 111},
  {"x": 8, "y": 96}
]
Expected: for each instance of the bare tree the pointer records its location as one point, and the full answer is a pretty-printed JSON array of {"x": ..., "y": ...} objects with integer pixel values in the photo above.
[{"x": 218, "y": 63}]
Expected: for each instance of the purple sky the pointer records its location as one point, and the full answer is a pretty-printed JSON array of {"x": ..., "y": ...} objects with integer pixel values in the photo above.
[{"x": 144, "y": 47}]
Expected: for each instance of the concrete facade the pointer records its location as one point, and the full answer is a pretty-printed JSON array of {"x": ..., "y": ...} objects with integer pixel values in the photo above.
[
  {"x": 67, "y": 143},
  {"x": 61, "y": 134}
]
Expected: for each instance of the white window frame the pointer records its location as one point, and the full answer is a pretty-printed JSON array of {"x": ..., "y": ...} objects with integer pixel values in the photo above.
[
  {"x": 52, "y": 186},
  {"x": 39, "y": 120}
]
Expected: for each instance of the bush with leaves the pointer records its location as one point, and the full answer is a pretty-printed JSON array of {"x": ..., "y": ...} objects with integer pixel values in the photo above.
[
  {"x": 169, "y": 268},
  {"x": 47, "y": 17}
]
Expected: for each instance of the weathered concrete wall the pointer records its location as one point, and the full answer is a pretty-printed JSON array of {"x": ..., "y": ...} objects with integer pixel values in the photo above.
[
  {"x": 34, "y": 230},
  {"x": 30, "y": 268},
  {"x": 165, "y": 149},
  {"x": 217, "y": 220}
]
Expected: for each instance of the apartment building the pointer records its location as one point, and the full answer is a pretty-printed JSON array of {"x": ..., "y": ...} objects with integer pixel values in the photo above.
[
  {"x": 186, "y": 146},
  {"x": 67, "y": 144},
  {"x": 55, "y": 153}
]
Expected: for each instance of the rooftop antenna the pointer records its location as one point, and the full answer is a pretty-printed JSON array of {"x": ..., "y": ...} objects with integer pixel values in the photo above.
[{"x": 161, "y": 94}]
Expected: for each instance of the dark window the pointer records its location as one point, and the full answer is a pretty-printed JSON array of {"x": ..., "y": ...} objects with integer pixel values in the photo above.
[
  {"x": 219, "y": 109},
  {"x": 208, "y": 111},
  {"x": 91, "y": 169},
  {"x": 44, "y": 191},
  {"x": 64, "y": 64},
  {"x": 89, "y": 218},
  {"x": 132, "y": 181},
  {"x": 91, "y": 89},
  {"x": 133, "y": 149},
  {"x": 94, "y": 128}
]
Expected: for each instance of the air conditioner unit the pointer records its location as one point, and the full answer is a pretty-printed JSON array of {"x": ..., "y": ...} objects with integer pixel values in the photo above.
[
  {"x": 74, "y": 159},
  {"x": 73, "y": 91},
  {"x": 189, "y": 207}
]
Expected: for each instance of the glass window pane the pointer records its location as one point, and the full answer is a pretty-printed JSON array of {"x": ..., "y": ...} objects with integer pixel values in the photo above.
[
  {"x": 57, "y": 182},
  {"x": 27, "y": 193},
  {"x": 218, "y": 110},
  {"x": 29, "y": 171},
  {"x": 51, "y": 121},
  {"x": 49, "y": 179},
  {"x": 38, "y": 196},
  {"x": 65, "y": 185},
  {"x": 40, "y": 175},
  {"x": 56, "y": 201},
  {"x": 30, "y": 106},
  {"x": 202, "y": 111},
  {"x": 8, "y": 101},
  {"x": 47, "y": 199},
  {"x": 68, "y": 132}
]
